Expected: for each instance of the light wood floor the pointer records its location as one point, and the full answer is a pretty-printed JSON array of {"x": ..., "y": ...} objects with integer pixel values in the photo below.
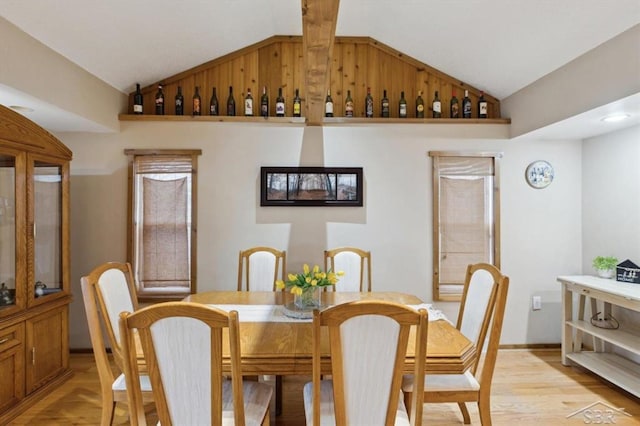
[{"x": 530, "y": 388}]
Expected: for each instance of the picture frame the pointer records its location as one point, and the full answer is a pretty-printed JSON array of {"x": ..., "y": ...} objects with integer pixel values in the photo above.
[{"x": 311, "y": 186}]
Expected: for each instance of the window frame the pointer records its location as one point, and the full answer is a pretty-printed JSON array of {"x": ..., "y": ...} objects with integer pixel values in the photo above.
[
  {"x": 133, "y": 155},
  {"x": 436, "y": 197}
]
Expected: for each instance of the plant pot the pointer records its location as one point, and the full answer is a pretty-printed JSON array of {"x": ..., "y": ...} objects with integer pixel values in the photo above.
[{"x": 605, "y": 273}]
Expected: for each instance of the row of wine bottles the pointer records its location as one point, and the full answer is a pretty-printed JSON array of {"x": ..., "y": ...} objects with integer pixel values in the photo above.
[
  {"x": 436, "y": 106},
  {"x": 214, "y": 105},
  {"x": 456, "y": 109}
]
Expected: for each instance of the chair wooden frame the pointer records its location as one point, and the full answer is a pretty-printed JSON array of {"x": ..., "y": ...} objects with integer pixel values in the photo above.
[
  {"x": 332, "y": 318},
  {"x": 244, "y": 262},
  {"x": 142, "y": 322},
  {"x": 365, "y": 257},
  {"x": 244, "y": 270},
  {"x": 480, "y": 382},
  {"x": 112, "y": 388}
]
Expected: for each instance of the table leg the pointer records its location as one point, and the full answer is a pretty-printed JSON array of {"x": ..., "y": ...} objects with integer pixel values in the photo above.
[
  {"x": 567, "y": 331},
  {"x": 278, "y": 395},
  {"x": 577, "y": 344}
]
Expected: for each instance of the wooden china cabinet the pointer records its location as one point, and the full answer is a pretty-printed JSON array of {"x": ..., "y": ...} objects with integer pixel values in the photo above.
[{"x": 34, "y": 263}]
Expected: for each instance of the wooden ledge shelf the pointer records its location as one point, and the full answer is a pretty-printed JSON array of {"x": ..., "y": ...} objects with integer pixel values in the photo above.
[{"x": 329, "y": 121}]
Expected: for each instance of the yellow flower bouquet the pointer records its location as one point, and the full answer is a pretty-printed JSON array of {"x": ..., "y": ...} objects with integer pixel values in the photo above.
[{"x": 305, "y": 285}]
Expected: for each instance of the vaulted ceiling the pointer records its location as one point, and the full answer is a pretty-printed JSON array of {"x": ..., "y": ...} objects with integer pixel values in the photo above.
[{"x": 499, "y": 46}]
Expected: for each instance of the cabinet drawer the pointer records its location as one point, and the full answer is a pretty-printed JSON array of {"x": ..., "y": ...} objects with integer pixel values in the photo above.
[
  {"x": 11, "y": 337},
  {"x": 11, "y": 366},
  {"x": 604, "y": 296}
]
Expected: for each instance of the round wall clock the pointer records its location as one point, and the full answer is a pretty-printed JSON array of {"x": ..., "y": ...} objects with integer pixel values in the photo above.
[{"x": 539, "y": 174}]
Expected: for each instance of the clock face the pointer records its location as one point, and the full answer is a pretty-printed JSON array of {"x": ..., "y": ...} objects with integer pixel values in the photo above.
[{"x": 539, "y": 174}]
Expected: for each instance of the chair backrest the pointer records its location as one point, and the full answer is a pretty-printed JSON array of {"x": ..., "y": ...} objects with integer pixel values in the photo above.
[
  {"x": 367, "y": 388},
  {"x": 105, "y": 374},
  {"x": 260, "y": 267},
  {"x": 111, "y": 284},
  {"x": 182, "y": 344},
  {"x": 356, "y": 265},
  {"x": 480, "y": 304}
]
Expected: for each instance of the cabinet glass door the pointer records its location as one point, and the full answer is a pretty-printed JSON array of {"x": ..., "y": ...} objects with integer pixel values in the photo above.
[
  {"x": 47, "y": 228},
  {"x": 7, "y": 231}
]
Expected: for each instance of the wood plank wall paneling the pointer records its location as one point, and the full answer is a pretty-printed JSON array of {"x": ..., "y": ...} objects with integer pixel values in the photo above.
[{"x": 357, "y": 63}]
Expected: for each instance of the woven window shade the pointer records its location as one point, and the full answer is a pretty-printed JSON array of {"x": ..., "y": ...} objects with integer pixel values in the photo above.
[
  {"x": 165, "y": 259},
  {"x": 465, "y": 233},
  {"x": 465, "y": 237},
  {"x": 465, "y": 166},
  {"x": 163, "y": 164}
]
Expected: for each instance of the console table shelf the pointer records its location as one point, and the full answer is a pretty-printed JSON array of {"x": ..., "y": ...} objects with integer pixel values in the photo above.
[
  {"x": 614, "y": 368},
  {"x": 621, "y": 371}
]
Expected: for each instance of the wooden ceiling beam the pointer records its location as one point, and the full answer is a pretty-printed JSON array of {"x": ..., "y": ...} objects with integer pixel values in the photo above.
[{"x": 319, "y": 19}]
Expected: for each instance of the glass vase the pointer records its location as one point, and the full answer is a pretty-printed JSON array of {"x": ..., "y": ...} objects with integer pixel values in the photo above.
[{"x": 309, "y": 299}]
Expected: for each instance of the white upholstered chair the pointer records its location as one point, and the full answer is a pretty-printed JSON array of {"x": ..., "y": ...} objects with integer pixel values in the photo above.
[
  {"x": 481, "y": 312},
  {"x": 368, "y": 341},
  {"x": 182, "y": 344},
  {"x": 356, "y": 265},
  {"x": 260, "y": 267},
  {"x": 106, "y": 291},
  {"x": 258, "y": 270}
]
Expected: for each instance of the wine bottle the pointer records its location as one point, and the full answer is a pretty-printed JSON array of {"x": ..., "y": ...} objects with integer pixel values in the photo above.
[
  {"x": 436, "y": 106},
  {"x": 328, "y": 105},
  {"x": 348, "y": 105},
  {"x": 466, "y": 105},
  {"x": 419, "y": 106},
  {"x": 297, "y": 105},
  {"x": 368, "y": 104},
  {"x": 454, "y": 107},
  {"x": 264, "y": 103},
  {"x": 231, "y": 103},
  {"x": 197, "y": 102},
  {"x": 179, "y": 102},
  {"x": 384, "y": 105},
  {"x": 213, "y": 103},
  {"x": 482, "y": 106},
  {"x": 137, "y": 100},
  {"x": 159, "y": 101},
  {"x": 248, "y": 104},
  {"x": 280, "y": 106},
  {"x": 402, "y": 106}
]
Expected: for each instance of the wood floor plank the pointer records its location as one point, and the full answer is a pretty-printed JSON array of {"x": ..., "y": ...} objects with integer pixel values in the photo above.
[{"x": 529, "y": 388}]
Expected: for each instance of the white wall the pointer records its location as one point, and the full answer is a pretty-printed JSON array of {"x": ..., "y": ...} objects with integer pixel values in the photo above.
[
  {"x": 611, "y": 197},
  {"x": 611, "y": 203},
  {"x": 570, "y": 90},
  {"x": 33, "y": 68},
  {"x": 540, "y": 228}
]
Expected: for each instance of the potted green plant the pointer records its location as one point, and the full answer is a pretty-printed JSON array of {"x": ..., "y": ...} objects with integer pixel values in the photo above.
[{"x": 605, "y": 266}]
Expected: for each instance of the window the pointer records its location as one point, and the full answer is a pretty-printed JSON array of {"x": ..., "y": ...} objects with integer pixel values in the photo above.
[
  {"x": 466, "y": 217},
  {"x": 162, "y": 227}
]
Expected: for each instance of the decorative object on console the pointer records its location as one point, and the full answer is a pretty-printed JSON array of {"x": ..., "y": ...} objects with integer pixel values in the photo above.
[
  {"x": 628, "y": 272},
  {"x": 539, "y": 174},
  {"x": 605, "y": 266},
  {"x": 7, "y": 296},
  {"x": 311, "y": 186}
]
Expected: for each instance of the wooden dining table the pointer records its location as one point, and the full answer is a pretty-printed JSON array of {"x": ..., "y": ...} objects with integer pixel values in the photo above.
[{"x": 285, "y": 347}]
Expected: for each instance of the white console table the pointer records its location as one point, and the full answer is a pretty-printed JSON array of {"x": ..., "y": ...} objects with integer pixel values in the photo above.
[{"x": 618, "y": 370}]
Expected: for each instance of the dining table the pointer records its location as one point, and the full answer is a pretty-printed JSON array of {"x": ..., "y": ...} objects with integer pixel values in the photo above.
[{"x": 275, "y": 344}]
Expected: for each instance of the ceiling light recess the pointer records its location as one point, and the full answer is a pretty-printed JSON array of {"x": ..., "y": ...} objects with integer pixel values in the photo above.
[{"x": 614, "y": 118}]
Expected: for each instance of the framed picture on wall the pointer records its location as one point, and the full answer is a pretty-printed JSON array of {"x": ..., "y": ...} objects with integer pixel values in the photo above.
[{"x": 311, "y": 186}]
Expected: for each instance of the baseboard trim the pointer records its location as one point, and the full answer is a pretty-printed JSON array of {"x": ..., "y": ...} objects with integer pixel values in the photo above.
[
  {"x": 81, "y": 350},
  {"x": 519, "y": 346},
  {"x": 531, "y": 346}
]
